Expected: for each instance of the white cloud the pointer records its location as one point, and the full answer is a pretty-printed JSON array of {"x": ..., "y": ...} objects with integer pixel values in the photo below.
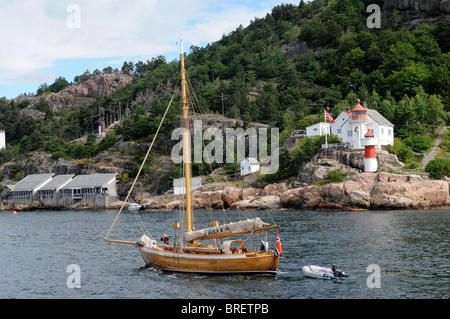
[
  {"x": 37, "y": 33},
  {"x": 34, "y": 34}
]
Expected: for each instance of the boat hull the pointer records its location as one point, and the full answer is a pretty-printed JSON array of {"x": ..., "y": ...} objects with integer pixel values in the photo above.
[
  {"x": 321, "y": 272},
  {"x": 247, "y": 263}
]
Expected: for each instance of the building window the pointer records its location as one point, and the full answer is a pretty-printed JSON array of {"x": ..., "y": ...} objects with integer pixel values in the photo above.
[
  {"x": 389, "y": 132},
  {"x": 339, "y": 131},
  {"x": 77, "y": 193},
  {"x": 349, "y": 133},
  {"x": 382, "y": 131}
]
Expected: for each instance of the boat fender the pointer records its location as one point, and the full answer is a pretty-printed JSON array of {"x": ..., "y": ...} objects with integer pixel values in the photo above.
[{"x": 146, "y": 242}]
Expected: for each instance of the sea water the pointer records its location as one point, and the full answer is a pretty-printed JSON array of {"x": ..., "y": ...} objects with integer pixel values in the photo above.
[{"x": 388, "y": 254}]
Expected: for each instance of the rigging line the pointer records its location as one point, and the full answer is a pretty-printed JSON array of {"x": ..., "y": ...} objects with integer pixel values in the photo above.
[
  {"x": 197, "y": 106},
  {"x": 142, "y": 165},
  {"x": 141, "y": 224},
  {"x": 202, "y": 112},
  {"x": 223, "y": 168}
]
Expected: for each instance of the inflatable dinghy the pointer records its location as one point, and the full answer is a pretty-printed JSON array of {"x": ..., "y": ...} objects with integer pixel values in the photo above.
[{"x": 322, "y": 272}]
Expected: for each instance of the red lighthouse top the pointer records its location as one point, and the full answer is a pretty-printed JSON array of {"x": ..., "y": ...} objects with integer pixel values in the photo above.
[
  {"x": 359, "y": 112},
  {"x": 369, "y": 134}
]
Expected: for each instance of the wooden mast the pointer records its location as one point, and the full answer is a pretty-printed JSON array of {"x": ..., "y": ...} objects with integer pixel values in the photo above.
[{"x": 186, "y": 148}]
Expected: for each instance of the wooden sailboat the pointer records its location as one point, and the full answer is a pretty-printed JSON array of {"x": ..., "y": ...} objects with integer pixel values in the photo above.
[{"x": 191, "y": 252}]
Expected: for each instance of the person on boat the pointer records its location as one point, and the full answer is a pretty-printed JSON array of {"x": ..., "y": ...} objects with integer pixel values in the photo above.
[
  {"x": 165, "y": 239},
  {"x": 264, "y": 245},
  {"x": 334, "y": 270}
]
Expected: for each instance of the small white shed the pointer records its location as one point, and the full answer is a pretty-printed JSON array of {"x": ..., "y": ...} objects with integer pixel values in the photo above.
[
  {"x": 318, "y": 129},
  {"x": 250, "y": 165},
  {"x": 179, "y": 185}
]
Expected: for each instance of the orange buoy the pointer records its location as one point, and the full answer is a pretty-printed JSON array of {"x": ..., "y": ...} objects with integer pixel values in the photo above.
[{"x": 14, "y": 213}]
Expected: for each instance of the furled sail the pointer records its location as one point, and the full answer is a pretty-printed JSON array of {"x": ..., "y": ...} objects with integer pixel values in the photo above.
[{"x": 226, "y": 230}]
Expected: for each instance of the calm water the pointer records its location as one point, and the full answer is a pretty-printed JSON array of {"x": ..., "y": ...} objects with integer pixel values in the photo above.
[{"x": 410, "y": 247}]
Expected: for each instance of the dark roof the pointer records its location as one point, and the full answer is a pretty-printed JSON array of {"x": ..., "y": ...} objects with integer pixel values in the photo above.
[
  {"x": 377, "y": 117},
  {"x": 57, "y": 182},
  {"x": 90, "y": 181},
  {"x": 32, "y": 182}
]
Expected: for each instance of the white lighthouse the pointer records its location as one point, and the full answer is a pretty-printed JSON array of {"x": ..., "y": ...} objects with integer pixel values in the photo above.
[{"x": 370, "y": 161}]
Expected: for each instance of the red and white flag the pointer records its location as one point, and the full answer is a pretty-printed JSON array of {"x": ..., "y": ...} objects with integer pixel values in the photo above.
[
  {"x": 278, "y": 248},
  {"x": 328, "y": 117}
]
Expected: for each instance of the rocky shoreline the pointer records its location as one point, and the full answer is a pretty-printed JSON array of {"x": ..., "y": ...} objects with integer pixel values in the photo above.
[{"x": 365, "y": 191}]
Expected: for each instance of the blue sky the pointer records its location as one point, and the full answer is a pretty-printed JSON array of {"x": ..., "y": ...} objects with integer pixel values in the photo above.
[{"x": 43, "y": 39}]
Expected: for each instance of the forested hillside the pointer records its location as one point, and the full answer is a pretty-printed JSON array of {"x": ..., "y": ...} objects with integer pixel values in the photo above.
[{"x": 283, "y": 70}]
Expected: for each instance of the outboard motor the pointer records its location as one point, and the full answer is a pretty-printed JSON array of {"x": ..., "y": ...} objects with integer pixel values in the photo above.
[{"x": 335, "y": 272}]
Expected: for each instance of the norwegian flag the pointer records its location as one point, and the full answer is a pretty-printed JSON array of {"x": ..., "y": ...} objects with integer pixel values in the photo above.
[
  {"x": 278, "y": 248},
  {"x": 328, "y": 117}
]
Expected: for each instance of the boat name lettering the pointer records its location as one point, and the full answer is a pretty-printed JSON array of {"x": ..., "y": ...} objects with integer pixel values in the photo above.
[{"x": 217, "y": 230}]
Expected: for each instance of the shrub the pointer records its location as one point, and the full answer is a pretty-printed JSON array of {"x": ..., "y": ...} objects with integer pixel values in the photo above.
[
  {"x": 438, "y": 168},
  {"x": 336, "y": 176},
  {"x": 405, "y": 154},
  {"x": 419, "y": 142}
]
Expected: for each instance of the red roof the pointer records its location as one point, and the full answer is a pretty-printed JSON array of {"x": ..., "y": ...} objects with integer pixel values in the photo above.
[
  {"x": 358, "y": 106},
  {"x": 369, "y": 134}
]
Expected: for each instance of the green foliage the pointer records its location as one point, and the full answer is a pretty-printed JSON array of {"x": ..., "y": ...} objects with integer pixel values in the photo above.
[
  {"x": 108, "y": 141},
  {"x": 90, "y": 147},
  {"x": 335, "y": 176},
  {"x": 438, "y": 168},
  {"x": 285, "y": 169},
  {"x": 57, "y": 86},
  {"x": 307, "y": 148},
  {"x": 404, "y": 153},
  {"x": 57, "y": 148},
  {"x": 419, "y": 143},
  {"x": 16, "y": 173},
  {"x": 8, "y": 153}
]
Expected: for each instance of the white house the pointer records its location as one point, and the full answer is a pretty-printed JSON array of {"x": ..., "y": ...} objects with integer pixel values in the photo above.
[
  {"x": 179, "y": 185},
  {"x": 318, "y": 129},
  {"x": 352, "y": 126},
  {"x": 249, "y": 165},
  {"x": 2, "y": 139}
]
